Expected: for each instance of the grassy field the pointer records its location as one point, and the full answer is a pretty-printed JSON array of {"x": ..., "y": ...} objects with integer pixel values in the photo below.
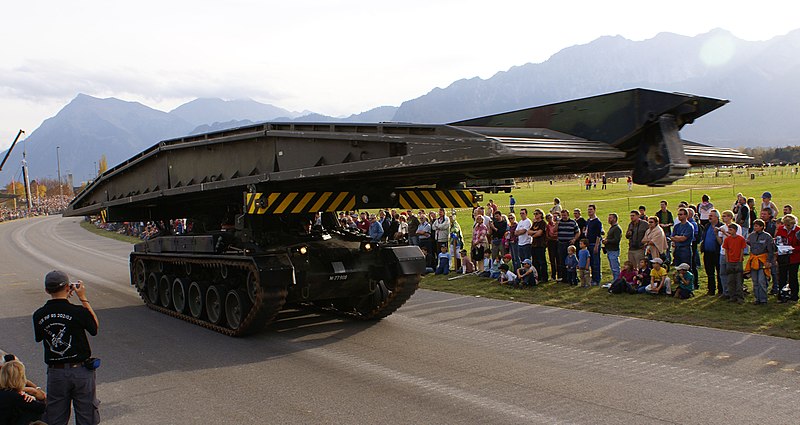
[{"x": 773, "y": 319}]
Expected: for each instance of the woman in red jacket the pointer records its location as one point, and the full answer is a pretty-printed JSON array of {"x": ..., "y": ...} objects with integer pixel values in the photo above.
[{"x": 789, "y": 263}]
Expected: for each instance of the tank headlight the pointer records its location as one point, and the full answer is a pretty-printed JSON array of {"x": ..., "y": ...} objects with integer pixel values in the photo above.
[
  {"x": 367, "y": 246},
  {"x": 303, "y": 250}
]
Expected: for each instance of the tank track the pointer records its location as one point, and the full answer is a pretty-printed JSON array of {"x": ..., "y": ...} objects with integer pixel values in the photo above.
[
  {"x": 268, "y": 303},
  {"x": 404, "y": 288}
]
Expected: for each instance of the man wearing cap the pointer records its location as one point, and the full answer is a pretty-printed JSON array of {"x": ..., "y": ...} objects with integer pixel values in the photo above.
[{"x": 62, "y": 327}]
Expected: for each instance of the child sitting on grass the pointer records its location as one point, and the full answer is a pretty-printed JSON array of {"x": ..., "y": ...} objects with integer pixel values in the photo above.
[
  {"x": 659, "y": 282},
  {"x": 628, "y": 272},
  {"x": 443, "y": 261},
  {"x": 642, "y": 278},
  {"x": 526, "y": 275},
  {"x": 507, "y": 277},
  {"x": 685, "y": 281},
  {"x": 467, "y": 266}
]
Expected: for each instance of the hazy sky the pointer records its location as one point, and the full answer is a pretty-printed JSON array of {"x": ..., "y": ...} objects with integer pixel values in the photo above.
[{"x": 332, "y": 57}]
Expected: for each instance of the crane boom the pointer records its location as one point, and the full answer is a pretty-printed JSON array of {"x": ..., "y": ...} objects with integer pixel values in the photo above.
[{"x": 8, "y": 153}]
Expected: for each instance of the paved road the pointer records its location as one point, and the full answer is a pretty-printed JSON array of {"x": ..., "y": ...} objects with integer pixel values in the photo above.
[{"x": 442, "y": 359}]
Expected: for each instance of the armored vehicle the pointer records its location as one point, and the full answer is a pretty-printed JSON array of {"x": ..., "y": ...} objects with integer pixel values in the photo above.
[{"x": 262, "y": 200}]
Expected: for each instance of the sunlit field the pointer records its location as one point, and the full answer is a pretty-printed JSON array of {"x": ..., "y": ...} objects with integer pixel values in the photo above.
[{"x": 771, "y": 319}]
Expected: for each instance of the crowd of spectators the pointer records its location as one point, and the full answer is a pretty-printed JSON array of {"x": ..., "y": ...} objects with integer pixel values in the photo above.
[
  {"x": 42, "y": 206},
  {"x": 665, "y": 249}
]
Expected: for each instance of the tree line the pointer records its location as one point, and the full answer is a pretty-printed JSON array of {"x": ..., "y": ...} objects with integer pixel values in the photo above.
[{"x": 788, "y": 154}]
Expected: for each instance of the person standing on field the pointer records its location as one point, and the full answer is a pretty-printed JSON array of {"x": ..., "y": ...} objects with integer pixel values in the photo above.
[
  {"x": 611, "y": 243},
  {"x": 61, "y": 327},
  {"x": 635, "y": 234}
]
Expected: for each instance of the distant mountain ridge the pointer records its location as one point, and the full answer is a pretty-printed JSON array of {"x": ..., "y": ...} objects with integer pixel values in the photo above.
[{"x": 760, "y": 79}]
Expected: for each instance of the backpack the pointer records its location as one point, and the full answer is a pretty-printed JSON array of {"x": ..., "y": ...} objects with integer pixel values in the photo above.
[{"x": 620, "y": 286}]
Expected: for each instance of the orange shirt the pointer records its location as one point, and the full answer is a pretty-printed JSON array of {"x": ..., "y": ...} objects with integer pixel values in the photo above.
[{"x": 734, "y": 248}]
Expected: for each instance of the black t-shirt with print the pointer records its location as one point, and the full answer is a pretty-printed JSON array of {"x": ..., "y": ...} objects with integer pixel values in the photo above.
[{"x": 62, "y": 327}]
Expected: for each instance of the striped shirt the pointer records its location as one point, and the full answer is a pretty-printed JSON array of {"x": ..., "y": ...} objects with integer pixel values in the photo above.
[{"x": 567, "y": 230}]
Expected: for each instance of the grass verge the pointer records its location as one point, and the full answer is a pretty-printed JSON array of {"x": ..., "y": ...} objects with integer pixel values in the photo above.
[
  {"x": 773, "y": 319},
  {"x": 105, "y": 233}
]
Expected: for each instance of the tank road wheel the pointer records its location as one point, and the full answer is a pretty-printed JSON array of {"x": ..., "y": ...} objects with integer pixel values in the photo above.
[
  {"x": 152, "y": 288},
  {"x": 374, "y": 300},
  {"x": 165, "y": 291},
  {"x": 214, "y": 300},
  {"x": 223, "y": 272},
  {"x": 253, "y": 287},
  {"x": 180, "y": 288},
  {"x": 402, "y": 288},
  {"x": 139, "y": 274},
  {"x": 237, "y": 305},
  {"x": 195, "y": 300},
  {"x": 187, "y": 268}
]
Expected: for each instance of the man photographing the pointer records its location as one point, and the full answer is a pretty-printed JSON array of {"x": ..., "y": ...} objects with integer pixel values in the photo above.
[{"x": 62, "y": 327}]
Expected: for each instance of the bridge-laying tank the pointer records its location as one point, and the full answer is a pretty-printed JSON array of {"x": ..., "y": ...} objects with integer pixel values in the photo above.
[{"x": 263, "y": 200}]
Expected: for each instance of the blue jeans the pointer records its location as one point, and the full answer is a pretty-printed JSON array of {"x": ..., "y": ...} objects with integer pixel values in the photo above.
[
  {"x": 525, "y": 252},
  {"x": 682, "y": 254},
  {"x": 613, "y": 262},
  {"x": 443, "y": 267},
  {"x": 759, "y": 284},
  {"x": 723, "y": 273},
  {"x": 594, "y": 263},
  {"x": 515, "y": 255}
]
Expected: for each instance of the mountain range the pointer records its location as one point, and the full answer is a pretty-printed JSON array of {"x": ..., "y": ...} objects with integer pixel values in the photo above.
[{"x": 759, "y": 77}]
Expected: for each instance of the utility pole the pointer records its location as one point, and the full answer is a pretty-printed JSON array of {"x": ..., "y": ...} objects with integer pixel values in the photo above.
[{"x": 58, "y": 162}]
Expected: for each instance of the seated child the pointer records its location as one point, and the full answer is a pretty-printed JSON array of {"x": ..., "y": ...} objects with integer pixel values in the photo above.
[
  {"x": 507, "y": 277},
  {"x": 628, "y": 272},
  {"x": 571, "y": 266},
  {"x": 467, "y": 266},
  {"x": 443, "y": 261},
  {"x": 685, "y": 281},
  {"x": 659, "y": 282},
  {"x": 624, "y": 284},
  {"x": 425, "y": 254},
  {"x": 642, "y": 277},
  {"x": 526, "y": 275},
  {"x": 494, "y": 269}
]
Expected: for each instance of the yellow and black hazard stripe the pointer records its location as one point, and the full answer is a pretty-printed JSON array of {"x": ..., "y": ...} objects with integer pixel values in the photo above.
[
  {"x": 104, "y": 215},
  {"x": 429, "y": 198},
  {"x": 298, "y": 202}
]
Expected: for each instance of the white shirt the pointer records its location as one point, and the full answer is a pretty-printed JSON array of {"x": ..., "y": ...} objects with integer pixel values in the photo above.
[{"x": 525, "y": 238}]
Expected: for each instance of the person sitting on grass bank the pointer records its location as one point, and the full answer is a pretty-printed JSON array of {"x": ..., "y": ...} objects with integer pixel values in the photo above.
[
  {"x": 642, "y": 278},
  {"x": 526, "y": 275},
  {"x": 685, "y": 281},
  {"x": 659, "y": 282},
  {"x": 506, "y": 276},
  {"x": 467, "y": 266},
  {"x": 443, "y": 261}
]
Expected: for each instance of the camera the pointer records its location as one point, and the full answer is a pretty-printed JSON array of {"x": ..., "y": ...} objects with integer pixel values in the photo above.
[{"x": 75, "y": 285}]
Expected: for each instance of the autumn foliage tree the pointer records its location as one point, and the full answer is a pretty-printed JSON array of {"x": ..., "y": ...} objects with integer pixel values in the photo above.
[{"x": 102, "y": 166}]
